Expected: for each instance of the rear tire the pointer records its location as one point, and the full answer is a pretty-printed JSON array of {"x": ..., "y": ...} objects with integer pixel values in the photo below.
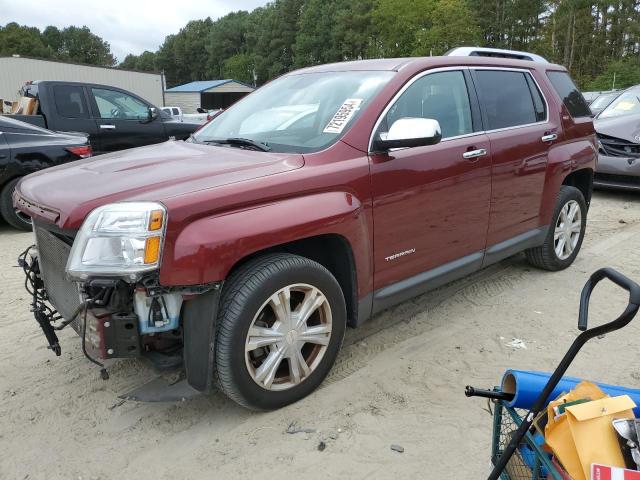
[
  {"x": 14, "y": 218},
  {"x": 280, "y": 326},
  {"x": 566, "y": 232}
]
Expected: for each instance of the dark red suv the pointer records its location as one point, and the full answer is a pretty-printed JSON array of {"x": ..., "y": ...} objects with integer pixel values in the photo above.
[{"x": 326, "y": 196}]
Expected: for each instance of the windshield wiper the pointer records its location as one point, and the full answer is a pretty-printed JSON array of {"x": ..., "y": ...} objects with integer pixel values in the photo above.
[{"x": 245, "y": 142}]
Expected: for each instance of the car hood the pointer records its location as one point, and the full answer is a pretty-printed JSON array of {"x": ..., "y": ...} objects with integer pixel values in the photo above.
[
  {"x": 67, "y": 193},
  {"x": 626, "y": 127}
]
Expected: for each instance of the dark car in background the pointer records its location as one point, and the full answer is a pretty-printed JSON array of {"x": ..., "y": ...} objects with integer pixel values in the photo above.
[
  {"x": 618, "y": 129},
  {"x": 113, "y": 118},
  {"x": 26, "y": 148}
]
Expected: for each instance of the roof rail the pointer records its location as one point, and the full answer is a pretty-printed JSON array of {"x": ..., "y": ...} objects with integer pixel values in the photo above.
[{"x": 494, "y": 52}]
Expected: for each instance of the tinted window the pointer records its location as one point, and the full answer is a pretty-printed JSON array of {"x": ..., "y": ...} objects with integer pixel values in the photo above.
[
  {"x": 440, "y": 96},
  {"x": 569, "y": 93},
  {"x": 506, "y": 98},
  {"x": 538, "y": 101},
  {"x": 70, "y": 102},
  {"x": 115, "y": 104}
]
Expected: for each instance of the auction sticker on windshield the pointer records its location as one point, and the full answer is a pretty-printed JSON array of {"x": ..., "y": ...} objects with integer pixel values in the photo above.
[{"x": 343, "y": 115}]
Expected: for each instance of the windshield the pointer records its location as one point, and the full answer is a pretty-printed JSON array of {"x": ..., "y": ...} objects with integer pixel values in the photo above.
[
  {"x": 603, "y": 100},
  {"x": 298, "y": 113},
  {"x": 627, "y": 103}
]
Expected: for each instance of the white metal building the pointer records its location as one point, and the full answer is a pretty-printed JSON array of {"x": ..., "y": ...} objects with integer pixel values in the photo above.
[
  {"x": 15, "y": 71},
  {"x": 207, "y": 94}
]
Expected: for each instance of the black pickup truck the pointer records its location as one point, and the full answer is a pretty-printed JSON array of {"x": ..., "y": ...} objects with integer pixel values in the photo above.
[{"x": 114, "y": 119}]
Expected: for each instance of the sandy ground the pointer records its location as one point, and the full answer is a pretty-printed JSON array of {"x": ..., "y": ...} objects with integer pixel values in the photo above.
[{"x": 398, "y": 380}]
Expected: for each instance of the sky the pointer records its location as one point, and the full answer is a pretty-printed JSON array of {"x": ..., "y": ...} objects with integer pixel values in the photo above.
[{"x": 130, "y": 26}]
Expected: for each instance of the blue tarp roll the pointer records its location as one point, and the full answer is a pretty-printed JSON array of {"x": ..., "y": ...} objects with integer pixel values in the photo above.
[{"x": 527, "y": 385}]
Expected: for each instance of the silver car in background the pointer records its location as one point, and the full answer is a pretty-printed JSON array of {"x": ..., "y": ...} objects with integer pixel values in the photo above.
[{"x": 618, "y": 130}]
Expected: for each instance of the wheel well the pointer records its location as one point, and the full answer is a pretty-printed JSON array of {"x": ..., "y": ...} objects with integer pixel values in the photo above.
[
  {"x": 583, "y": 181},
  {"x": 332, "y": 252}
]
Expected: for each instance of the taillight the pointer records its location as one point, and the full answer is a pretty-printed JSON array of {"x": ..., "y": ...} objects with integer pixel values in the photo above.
[{"x": 80, "y": 152}]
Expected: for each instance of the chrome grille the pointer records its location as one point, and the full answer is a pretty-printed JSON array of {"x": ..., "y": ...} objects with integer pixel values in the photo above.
[{"x": 52, "y": 257}]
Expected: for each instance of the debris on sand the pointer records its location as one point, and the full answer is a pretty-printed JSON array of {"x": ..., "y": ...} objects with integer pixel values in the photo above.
[
  {"x": 293, "y": 428},
  {"x": 516, "y": 344}
]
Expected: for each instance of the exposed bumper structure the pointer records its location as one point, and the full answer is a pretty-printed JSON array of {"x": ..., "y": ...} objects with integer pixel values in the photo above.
[{"x": 617, "y": 172}]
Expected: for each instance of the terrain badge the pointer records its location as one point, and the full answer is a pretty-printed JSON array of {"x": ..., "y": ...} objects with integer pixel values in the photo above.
[{"x": 400, "y": 254}]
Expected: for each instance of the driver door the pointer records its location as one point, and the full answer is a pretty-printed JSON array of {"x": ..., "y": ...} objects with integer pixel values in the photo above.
[
  {"x": 430, "y": 203},
  {"x": 122, "y": 120}
]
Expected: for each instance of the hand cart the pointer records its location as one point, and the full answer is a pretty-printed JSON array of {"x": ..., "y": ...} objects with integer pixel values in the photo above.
[{"x": 517, "y": 452}]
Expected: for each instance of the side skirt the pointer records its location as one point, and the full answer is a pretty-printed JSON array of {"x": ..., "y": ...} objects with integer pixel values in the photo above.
[{"x": 403, "y": 290}]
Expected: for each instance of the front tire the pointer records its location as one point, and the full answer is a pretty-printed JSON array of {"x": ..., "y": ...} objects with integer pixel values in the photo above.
[
  {"x": 566, "y": 232},
  {"x": 280, "y": 326},
  {"x": 12, "y": 216}
]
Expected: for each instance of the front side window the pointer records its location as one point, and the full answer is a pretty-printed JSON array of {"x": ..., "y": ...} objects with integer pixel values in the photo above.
[
  {"x": 569, "y": 93},
  {"x": 506, "y": 99},
  {"x": 114, "y": 104},
  {"x": 626, "y": 104},
  {"x": 70, "y": 102},
  {"x": 298, "y": 113},
  {"x": 440, "y": 96}
]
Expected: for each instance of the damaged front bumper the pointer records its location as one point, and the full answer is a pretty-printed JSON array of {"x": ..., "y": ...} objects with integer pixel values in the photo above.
[
  {"x": 116, "y": 319},
  {"x": 105, "y": 334}
]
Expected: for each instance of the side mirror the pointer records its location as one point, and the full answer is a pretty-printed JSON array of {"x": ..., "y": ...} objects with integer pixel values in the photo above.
[
  {"x": 152, "y": 114},
  {"x": 409, "y": 132}
]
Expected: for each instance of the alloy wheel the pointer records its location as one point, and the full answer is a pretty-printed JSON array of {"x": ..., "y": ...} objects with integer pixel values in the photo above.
[
  {"x": 568, "y": 229},
  {"x": 288, "y": 337}
]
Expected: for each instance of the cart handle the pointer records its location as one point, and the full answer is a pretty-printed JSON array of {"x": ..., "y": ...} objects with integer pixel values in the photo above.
[
  {"x": 584, "y": 337},
  {"x": 622, "y": 281}
]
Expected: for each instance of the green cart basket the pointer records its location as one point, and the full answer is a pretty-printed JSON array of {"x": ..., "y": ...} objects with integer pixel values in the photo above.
[{"x": 529, "y": 462}]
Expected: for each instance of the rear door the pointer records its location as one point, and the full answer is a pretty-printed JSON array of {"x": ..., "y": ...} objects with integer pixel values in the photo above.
[
  {"x": 520, "y": 130},
  {"x": 71, "y": 111},
  {"x": 123, "y": 120}
]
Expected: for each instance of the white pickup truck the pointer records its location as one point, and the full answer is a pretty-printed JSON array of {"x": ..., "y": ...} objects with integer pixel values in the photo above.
[{"x": 203, "y": 117}]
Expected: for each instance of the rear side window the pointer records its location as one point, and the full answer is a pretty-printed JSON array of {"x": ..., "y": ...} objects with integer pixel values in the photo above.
[
  {"x": 70, "y": 101},
  {"x": 569, "y": 93},
  {"x": 538, "y": 101},
  {"x": 507, "y": 100}
]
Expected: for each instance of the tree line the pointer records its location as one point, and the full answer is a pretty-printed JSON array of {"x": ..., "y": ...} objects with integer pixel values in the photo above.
[
  {"x": 595, "y": 40},
  {"x": 71, "y": 44}
]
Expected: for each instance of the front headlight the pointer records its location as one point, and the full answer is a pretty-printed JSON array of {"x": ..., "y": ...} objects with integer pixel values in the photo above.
[{"x": 119, "y": 239}]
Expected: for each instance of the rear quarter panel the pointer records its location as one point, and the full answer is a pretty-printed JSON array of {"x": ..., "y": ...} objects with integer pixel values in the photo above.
[
  {"x": 577, "y": 150},
  {"x": 33, "y": 152}
]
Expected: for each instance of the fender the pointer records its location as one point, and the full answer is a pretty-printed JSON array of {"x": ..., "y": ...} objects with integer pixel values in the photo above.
[
  {"x": 207, "y": 249},
  {"x": 564, "y": 159}
]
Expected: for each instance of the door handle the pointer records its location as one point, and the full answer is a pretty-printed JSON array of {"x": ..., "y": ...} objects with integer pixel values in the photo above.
[
  {"x": 107, "y": 127},
  {"x": 549, "y": 138},
  {"x": 480, "y": 152}
]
